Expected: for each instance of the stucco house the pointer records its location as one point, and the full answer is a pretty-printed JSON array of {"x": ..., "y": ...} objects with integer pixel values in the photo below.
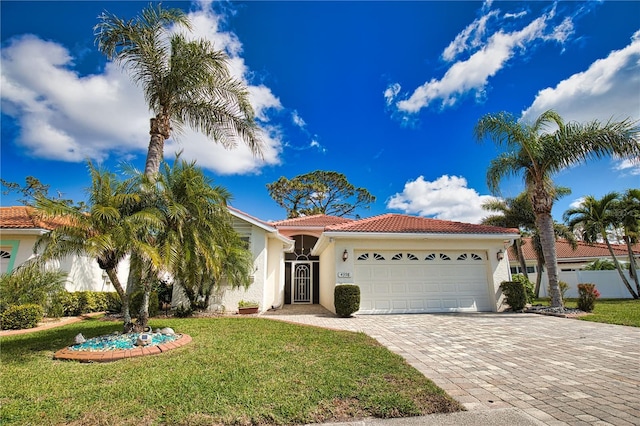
[
  {"x": 403, "y": 264},
  {"x": 571, "y": 264}
]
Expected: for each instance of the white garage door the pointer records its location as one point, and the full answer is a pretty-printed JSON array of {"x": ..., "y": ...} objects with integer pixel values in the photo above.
[{"x": 403, "y": 281}]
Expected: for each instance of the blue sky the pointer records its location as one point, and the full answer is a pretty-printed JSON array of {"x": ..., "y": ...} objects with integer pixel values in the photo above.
[{"x": 387, "y": 93}]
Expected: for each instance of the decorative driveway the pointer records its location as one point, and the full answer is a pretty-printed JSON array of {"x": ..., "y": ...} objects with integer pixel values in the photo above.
[{"x": 560, "y": 371}]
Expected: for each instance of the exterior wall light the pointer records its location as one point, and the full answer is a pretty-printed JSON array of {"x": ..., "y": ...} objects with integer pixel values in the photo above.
[
  {"x": 500, "y": 255},
  {"x": 345, "y": 255}
]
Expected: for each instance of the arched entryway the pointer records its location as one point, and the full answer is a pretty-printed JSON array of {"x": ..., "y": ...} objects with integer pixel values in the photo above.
[{"x": 302, "y": 272}]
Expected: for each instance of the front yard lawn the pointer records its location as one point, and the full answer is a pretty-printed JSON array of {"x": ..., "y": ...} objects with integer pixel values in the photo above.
[
  {"x": 235, "y": 371},
  {"x": 610, "y": 311}
]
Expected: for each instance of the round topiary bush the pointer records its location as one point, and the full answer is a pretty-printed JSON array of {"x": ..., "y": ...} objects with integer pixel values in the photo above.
[
  {"x": 515, "y": 294},
  {"x": 346, "y": 299}
]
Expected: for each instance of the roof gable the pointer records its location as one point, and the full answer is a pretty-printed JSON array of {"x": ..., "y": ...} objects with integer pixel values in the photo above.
[
  {"x": 318, "y": 220},
  {"x": 398, "y": 223}
]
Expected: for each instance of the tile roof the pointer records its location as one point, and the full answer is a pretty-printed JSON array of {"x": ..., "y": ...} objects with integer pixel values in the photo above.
[
  {"x": 318, "y": 220},
  {"x": 398, "y": 223},
  {"x": 22, "y": 217},
  {"x": 584, "y": 250}
]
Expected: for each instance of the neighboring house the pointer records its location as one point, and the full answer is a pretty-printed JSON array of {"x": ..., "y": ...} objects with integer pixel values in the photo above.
[
  {"x": 402, "y": 263},
  {"x": 571, "y": 264},
  {"x": 568, "y": 258},
  {"x": 19, "y": 230}
]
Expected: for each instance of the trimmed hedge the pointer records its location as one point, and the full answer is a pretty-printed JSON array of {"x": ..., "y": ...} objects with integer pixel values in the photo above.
[
  {"x": 17, "y": 317},
  {"x": 346, "y": 299},
  {"x": 84, "y": 302}
]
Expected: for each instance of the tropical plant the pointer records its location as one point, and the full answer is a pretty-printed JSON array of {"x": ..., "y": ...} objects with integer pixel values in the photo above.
[
  {"x": 185, "y": 83},
  {"x": 600, "y": 265},
  {"x": 627, "y": 212},
  {"x": 199, "y": 246},
  {"x": 587, "y": 295},
  {"x": 594, "y": 218},
  {"x": 512, "y": 213},
  {"x": 32, "y": 283},
  {"x": 319, "y": 192},
  {"x": 538, "y": 151},
  {"x": 113, "y": 227},
  {"x": 560, "y": 231}
]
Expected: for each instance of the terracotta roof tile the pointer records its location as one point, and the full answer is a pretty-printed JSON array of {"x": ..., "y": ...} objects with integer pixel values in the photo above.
[
  {"x": 22, "y": 217},
  {"x": 584, "y": 250},
  {"x": 318, "y": 220},
  {"x": 398, "y": 223}
]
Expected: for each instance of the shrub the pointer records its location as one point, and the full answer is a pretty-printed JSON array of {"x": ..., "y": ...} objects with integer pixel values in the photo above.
[
  {"x": 587, "y": 295},
  {"x": 529, "y": 287},
  {"x": 136, "y": 303},
  {"x": 31, "y": 284},
  {"x": 83, "y": 302},
  {"x": 346, "y": 299},
  {"x": 515, "y": 294},
  {"x": 184, "y": 311},
  {"x": 17, "y": 317},
  {"x": 113, "y": 303}
]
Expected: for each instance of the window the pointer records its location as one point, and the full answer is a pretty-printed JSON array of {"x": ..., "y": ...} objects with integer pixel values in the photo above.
[
  {"x": 397, "y": 256},
  {"x": 463, "y": 256},
  {"x": 5, "y": 254},
  {"x": 412, "y": 256},
  {"x": 363, "y": 256},
  {"x": 377, "y": 256},
  {"x": 475, "y": 256},
  {"x": 431, "y": 256},
  {"x": 444, "y": 257}
]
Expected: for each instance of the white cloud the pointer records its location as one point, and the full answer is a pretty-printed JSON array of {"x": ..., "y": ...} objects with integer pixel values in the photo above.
[
  {"x": 608, "y": 89},
  {"x": 489, "y": 48},
  {"x": 66, "y": 116},
  {"x": 628, "y": 167},
  {"x": 577, "y": 203},
  {"x": 447, "y": 197},
  {"x": 297, "y": 120}
]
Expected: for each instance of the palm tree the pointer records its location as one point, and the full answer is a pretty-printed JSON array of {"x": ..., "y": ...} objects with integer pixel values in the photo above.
[
  {"x": 628, "y": 213},
  {"x": 512, "y": 213},
  {"x": 184, "y": 82},
  {"x": 560, "y": 231},
  {"x": 108, "y": 231},
  {"x": 595, "y": 218},
  {"x": 198, "y": 243},
  {"x": 537, "y": 151}
]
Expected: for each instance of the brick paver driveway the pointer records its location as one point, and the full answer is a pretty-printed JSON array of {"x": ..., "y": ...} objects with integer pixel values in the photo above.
[{"x": 560, "y": 371}]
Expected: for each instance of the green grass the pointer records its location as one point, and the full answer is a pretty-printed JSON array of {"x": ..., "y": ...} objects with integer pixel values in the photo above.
[
  {"x": 235, "y": 371},
  {"x": 609, "y": 311}
]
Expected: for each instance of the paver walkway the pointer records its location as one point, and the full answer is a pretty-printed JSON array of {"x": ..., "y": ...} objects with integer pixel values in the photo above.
[{"x": 560, "y": 371}]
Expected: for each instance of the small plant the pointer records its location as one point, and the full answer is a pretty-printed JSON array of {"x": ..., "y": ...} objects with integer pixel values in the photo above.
[
  {"x": 515, "y": 294},
  {"x": 587, "y": 295},
  {"x": 17, "y": 317},
  {"x": 247, "y": 304},
  {"x": 564, "y": 287},
  {"x": 183, "y": 311},
  {"x": 346, "y": 299}
]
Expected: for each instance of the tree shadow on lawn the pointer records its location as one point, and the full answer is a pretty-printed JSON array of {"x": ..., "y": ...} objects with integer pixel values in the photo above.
[{"x": 20, "y": 348}]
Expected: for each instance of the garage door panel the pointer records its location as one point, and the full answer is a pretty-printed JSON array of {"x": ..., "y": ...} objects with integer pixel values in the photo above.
[{"x": 458, "y": 284}]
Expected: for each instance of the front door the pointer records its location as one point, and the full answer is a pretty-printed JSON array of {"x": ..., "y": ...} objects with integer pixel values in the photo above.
[{"x": 301, "y": 282}]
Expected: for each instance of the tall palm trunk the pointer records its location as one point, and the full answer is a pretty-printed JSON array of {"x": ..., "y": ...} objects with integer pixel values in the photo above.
[
  {"x": 633, "y": 266},
  {"x": 124, "y": 296},
  {"x": 544, "y": 222},
  {"x": 523, "y": 263},
  {"x": 618, "y": 266},
  {"x": 160, "y": 131}
]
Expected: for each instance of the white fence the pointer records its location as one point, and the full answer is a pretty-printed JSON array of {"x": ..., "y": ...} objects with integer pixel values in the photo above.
[{"x": 608, "y": 283}]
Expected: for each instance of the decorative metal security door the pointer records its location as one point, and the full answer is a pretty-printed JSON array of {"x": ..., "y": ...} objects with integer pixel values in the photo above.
[{"x": 301, "y": 282}]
